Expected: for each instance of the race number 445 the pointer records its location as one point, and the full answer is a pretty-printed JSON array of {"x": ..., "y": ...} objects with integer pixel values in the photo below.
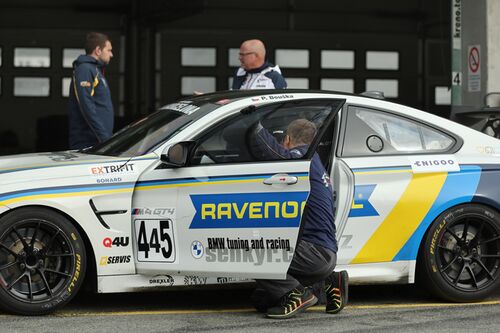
[{"x": 155, "y": 240}]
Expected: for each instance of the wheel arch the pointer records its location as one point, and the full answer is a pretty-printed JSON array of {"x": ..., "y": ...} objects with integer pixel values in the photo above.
[
  {"x": 486, "y": 201},
  {"x": 448, "y": 283},
  {"x": 418, "y": 255},
  {"x": 474, "y": 185},
  {"x": 91, "y": 272},
  {"x": 412, "y": 248}
]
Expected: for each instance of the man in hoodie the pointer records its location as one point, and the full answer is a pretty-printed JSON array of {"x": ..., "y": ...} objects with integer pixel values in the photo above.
[
  {"x": 91, "y": 113},
  {"x": 315, "y": 255},
  {"x": 255, "y": 72}
]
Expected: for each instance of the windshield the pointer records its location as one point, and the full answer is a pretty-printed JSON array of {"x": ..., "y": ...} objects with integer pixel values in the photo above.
[{"x": 145, "y": 134}]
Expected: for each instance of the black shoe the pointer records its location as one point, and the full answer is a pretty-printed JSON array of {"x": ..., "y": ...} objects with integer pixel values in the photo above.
[
  {"x": 293, "y": 302},
  {"x": 337, "y": 291},
  {"x": 260, "y": 300}
]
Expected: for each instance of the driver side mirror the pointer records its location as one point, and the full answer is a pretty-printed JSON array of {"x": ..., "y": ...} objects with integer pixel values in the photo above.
[{"x": 176, "y": 155}]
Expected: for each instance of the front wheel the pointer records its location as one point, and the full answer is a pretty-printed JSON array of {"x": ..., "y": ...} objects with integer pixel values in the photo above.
[
  {"x": 459, "y": 260},
  {"x": 42, "y": 261}
]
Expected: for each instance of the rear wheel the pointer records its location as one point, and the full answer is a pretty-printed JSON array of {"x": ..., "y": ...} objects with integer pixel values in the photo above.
[
  {"x": 460, "y": 257},
  {"x": 42, "y": 261}
]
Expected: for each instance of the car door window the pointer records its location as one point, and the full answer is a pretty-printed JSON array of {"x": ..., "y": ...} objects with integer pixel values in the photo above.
[
  {"x": 228, "y": 142},
  {"x": 370, "y": 132}
]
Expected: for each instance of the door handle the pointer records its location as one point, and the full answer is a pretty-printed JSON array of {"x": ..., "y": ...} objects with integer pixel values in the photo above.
[{"x": 281, "y": 179}]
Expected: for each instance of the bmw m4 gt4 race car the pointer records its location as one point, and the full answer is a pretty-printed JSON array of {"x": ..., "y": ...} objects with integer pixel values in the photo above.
[{"x": 178, "y": 198}]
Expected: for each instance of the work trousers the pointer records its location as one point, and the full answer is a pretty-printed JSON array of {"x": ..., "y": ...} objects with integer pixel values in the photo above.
[{"x": 311, "y": 263}]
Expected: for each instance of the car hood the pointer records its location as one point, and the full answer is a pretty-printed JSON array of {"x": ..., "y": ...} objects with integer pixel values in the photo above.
[{"x": 42, "y": 166}]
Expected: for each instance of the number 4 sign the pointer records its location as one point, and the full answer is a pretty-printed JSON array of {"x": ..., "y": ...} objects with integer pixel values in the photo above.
[{"x": 456, "y": 78}]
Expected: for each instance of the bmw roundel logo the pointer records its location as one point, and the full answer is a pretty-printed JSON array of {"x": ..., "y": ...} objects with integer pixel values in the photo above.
[{"x": 197, "y": 249}]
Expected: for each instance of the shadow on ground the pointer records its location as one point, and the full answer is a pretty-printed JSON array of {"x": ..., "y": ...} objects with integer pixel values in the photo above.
[{"x": 230, "y": 298}]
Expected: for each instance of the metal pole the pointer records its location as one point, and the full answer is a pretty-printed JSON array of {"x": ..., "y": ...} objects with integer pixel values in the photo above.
[{"x": 456, "y": 53}]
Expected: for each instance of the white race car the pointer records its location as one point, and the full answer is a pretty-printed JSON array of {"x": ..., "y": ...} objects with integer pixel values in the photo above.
[{"x": 178, "y": 198}]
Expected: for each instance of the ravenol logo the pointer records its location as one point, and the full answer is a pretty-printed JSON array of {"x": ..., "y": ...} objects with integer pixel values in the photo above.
[
  {"x": 360, "y": 204},
  {"x": 248, "y": 210}
]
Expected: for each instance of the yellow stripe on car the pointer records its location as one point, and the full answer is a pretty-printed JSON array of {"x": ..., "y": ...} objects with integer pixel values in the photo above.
[
  {"x": 62, "y": 195},
  {"x": 403, "y": 220}
]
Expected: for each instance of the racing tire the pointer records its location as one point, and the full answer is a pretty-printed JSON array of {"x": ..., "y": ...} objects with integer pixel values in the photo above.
[
  {"x": 42, "y": 261},
  {"x": 459, "y": 260}
]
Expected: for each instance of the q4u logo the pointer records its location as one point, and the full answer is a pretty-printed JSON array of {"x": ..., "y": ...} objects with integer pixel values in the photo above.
[{"x": 117, "y": 241}]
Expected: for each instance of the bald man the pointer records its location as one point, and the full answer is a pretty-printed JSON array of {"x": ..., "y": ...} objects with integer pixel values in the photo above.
[{"x": 255, "y": 72}]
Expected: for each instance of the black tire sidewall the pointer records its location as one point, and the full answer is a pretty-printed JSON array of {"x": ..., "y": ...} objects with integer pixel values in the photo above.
[
  {"x": 66, "y": 293},
  {"x": 427, "y": 262}
]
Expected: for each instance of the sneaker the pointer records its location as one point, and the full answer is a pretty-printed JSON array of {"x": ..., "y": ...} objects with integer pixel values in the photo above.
[
  {"x": 336, "y": 289},
  {"x": 293, "y": 302}
]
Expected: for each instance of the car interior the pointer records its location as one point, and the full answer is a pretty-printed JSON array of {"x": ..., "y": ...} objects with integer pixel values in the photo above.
[{"x": 229, "y": 142}]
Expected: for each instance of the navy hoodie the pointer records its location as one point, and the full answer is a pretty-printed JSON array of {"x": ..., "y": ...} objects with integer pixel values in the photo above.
[
  {"x": 318, "y": 220},
  {"x": 91, "y": 114}
]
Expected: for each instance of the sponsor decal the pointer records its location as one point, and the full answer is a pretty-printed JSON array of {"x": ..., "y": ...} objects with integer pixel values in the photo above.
[
  {"x": 488, "y": 150},
  {"x": 109, "y": 180},
  {"x": 110, "y": 169},
  {"x": 345, "y": 240},
  {"x": 85, "y": 84},
  {"x": 256, "y": 251},
  {"x": 248, "y": 210},
  {"x": 361, "y": 205},
  {"x": 197, "y": 249},
  {"x": 222, "y": 280},
  {"x": 154, "y": 211},
  {"x": 220, "y": 243},
  {"x": 162, "y": 280},
  {"x": 117, "y": 241},
  {"x": 434, "y": 163},
  {"x": 183, "y": 107},
  {"x": 255, "y": 256},
  {"x": 111, "y": 260},
  {"x": 191, "y": 280}
]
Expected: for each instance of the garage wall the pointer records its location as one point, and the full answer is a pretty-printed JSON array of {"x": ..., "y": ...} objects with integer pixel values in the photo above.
[
  {"x": 416, "y": 31},
  {"x": 35, "y": 72},
  {"x": 305, "y": 37},
  {"x": 350, "y": 63}
]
